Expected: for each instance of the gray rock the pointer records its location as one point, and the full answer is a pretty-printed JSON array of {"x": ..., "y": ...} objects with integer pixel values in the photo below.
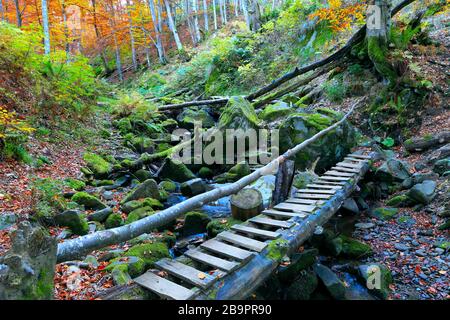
[
  {"x": 73, "y": 219},
  {"x": 7, "y": 219},
  {"x": 401, "y": 247},
  {"x": 108, "y": 195},
  {"x": 350, "y": 205},
  {"x": 100, "y": 215},
  {"x": 193, "y": 187},
  {"x": 393, "y": 170},
  {"x": 362, "y": 225},
  {"x": 377, "y": 278},
  {"x": 423, "y": 192},
  {"x": 442, "y": 166},
  {"x": 143, "y": 175}
]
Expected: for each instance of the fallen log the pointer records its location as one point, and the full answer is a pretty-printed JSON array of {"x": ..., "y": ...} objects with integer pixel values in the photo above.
[
  {"x": 78, "y": 247},
  {"x": 193, "y": 103},
  {"x": 418, "y": 144},
  {"x": 246, "y": 204}
]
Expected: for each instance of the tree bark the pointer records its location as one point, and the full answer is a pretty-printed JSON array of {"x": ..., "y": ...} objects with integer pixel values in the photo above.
[
  {"x": 215, "y": 14},
  {"x": 46, "y": 27},
  {"x": 159, "y": 45},
  {"x": 76, "y": 248},
  {"x": 419, "y": 144},
  {"x": 196, "y": 25},
  {"x": 18, "y": 13},
  {"x": 246, "y": 204},
  {"x": 172, "y": 26},
  {"x": 205, "y": 15},
  {"x": 132, "y": 42}
]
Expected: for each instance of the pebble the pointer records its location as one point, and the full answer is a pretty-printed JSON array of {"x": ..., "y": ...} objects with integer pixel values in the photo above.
[
  {"x": 367, "y": 225},
  {"x": 420, "y": 253},
  {"x": 401, "y": 247},
  {"x": 415, "y": 243},
  {"x": 108, "y": 195},
  {"x": 439, "y": 250}
]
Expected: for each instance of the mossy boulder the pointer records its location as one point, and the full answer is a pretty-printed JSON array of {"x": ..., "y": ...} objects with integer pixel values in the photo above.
[
  {"x": 352, "y": 248},
  {"x": 168, "y": 186},
  {"x": 147, "y": 189},
  {"x": 423, "y": 192},
  {"x": 75, "y": 184},
  {"x": 138, "y": 214},
  {"x": 149, "y": 252},
  {"x": 195, "y": 223},
  {"x": 393, "y": 170},
  {"x": 216, "y": 226},
  {"x": 330, "y": 280},
  {"x": 134, "y": 266},
  {"x": 99, "y": 166},
  {"x": 169, "y": 125},
  {"x": 175, "y": 170},
  {"x": 239, "y": 114},
  {"x": 124, "y": 125},
  {"x": 384, "y": 213},
  {"x": 89, "y": 202},
  {"x": 400, "y": 201},
  {"x": 329, "y": 149},
  {"x": 74, "y": 220},
  {"x": 237, "y": 172},
  {"x": 113, "y": 221},
  {"x": 132, "y": 205},
  {"x": 276, "y": 111},
  {"x": 120, "y": 277},
  {"x": 189, "y": 116},
  {"x": 377, "y": 278},
  {"x": 143, "y": 175},
  {"x": 442, "y": 166},
  {"x": 205, "y": 173},
  {"x": 193, "y": 187}
]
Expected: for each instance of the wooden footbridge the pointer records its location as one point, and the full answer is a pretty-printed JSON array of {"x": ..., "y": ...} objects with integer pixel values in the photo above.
[{"x": 236, "y": 262}]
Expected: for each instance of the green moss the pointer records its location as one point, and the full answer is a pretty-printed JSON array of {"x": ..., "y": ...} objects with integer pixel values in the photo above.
[
  {"x": 99, "y": 166},
  {"x": 378, "y": 55},
  {"x": 239, "y": 114},
  {"x": 384, "y": 213},
  {"x": 75, "y": 184},
  {"x": 168, "y": 186},
  {"x": 134, "y": 266},
  {"x": 399, "y": 201},
  {"x": 275, "y": 111},
  {"x": 138, "y": 214},
  {"x": 205, "y": 173},
  {"x": 277, "y": 249},
  {"x": 195, "y": 222},
  {"x": 149, "y": 252},
  {"x": 352, "y": 248},
  {"x": 153, "y": 203}
]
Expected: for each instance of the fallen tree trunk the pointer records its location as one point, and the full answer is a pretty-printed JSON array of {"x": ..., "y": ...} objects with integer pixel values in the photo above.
[
  {"x": 418, "y": 144},
  {"x": 355, "y": 39},
  {"x": 78, "y": 247}
]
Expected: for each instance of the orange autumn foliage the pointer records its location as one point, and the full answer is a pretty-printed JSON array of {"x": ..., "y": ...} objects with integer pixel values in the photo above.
[{"x": 339, "y": 15}]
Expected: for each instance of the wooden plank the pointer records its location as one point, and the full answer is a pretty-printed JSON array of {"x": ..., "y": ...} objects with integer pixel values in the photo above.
[
  {"x": 227, "y": 250},
  {"x": 283, "y": 214},
  {"x": 339, "y": 174},
  {"x": 186, "y": 273},
  {"x": 349, "y": 165},
  {"x": 346, "y": 169},
  {"x": 331, "y": 178},
  {"x": 294, "y": 207},
  {"x": 212, "y": 261},
  {"x": 313, "y": 196},
  {"x": 256, "y": 232},
  {"x": 359, "y": 156},
  {"x": 272, "y": 222},
  {"x": 242, "y": 241},
  {"x": 164, "y": 287},
  {"x": 337, "y": 183},
  {"x": 318, "y": 191},
  {"x": 301, "y": 201},
  {"x": 323, "y": 186}
]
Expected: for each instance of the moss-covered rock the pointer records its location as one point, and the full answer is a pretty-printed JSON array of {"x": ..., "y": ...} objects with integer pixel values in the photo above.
[
  {"x": 143, "y": 175},
  {"x": 277, "y": 249},
  {"x": 113, "y": 221},
  {"x": 120, "y": 277},
  {"x": 331, "y": 148},
  {"x": 138, "y": 214},
  {"x": 442, "y": 166},
  {"x": 216, "y": 226},
  {"x": 169, "y": 125},
  {"x": 352, "y": 248},
  {"x": 423, "y": 192},
  {"x": 168, "y": 186},
  {"x": 74, "y": 220},
  {"x": 303, "y": 286},
  {"x": 147, "y": 189},
  {"x": 149, "y": 252},
  {"x": 276, "y": 111},
  {"x": 330, "y": 280},
  {"x": 136, "y": 204},
  {"x": 99, "y": 166},
  {"x": 195, "y": 222},
  {"x": 134, "y": 266},
  {"x": 175, "y": 170},
  {"x": 193, "y": 187},
  {"x": 377, "y": 278},
  {"x": 75, "y": 184},
  {"x": 400, "y": 201},
  {"x": 239, "y": 114},
  {"x": 189, "y": 116},
  {"x": 393, "y": 170},
  {"x": 90, "y": 202},
  {"x": 384, "y": 213},
  {"x": 299, "y": 261},
  {"x": 205, "y": 173}
]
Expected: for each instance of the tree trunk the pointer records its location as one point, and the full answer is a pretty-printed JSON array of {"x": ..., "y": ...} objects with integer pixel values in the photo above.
[
  {"x": 159, "y": 45},
  {"x": 133, "y": 48},
  {"x": 66, "y": 29},
  {"x": 172, "y": 26},
  {"x": 205, "y": 15},
  {"x": 222, "y": 19},
  {"x": 246, "y": 204},
  {"x": 196, "y": 26},
  {"x": 2, "y": 12},
  {"x": 46, "y": 27},
  {"x": 98, "y": 35},
  {"x": 245, "y": 11},
  {"x": 224, "y": 2},
  {"x": 378, "y": 26},
  {"x": 215, "y": 14},
  {"x": 112, "y": 22},
  {"x": 419, "y": 144},
  {"x": 254, "y": 16}
]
